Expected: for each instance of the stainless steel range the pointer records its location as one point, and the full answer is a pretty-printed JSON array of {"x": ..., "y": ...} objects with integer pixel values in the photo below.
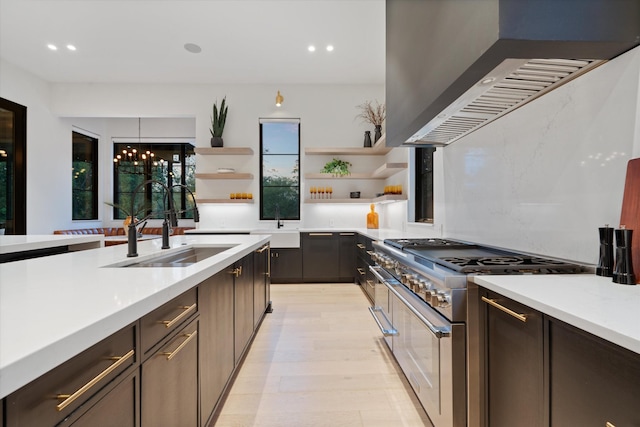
[{"x": 421, "y": 308}]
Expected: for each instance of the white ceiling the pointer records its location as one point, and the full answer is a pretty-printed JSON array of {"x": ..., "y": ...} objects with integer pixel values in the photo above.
[{"x": 242, "y": 41}]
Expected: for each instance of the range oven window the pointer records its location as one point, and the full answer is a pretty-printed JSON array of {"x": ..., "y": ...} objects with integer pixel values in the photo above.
[{"x": 423, "y": 168}]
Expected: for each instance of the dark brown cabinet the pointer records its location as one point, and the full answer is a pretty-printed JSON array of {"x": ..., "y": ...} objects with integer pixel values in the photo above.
[
  {"x": 593, "y": 382},
  {"x": 261, "y": 283},
  {"x": 364, "y": 277},
  {"x": 169, "y": 381},
  {"x": 216, "y": 353},
  {"x": 71, "y": 388},
  {"x": 286, "y": 265},
  {"x": 320, "y": 257},
  {"x": 514, "y": 354},
  {"x": 347, "y": 253},
  {"x": 118, "y": 408},
  {"x": 243, "y": 304}
]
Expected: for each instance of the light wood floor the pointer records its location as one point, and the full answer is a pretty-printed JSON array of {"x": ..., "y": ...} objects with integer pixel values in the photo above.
[{"x": 319, "y": 360}]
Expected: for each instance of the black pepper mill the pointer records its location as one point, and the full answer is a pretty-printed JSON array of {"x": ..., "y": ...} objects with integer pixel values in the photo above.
[
  {"x": 605, "y": 262},
  {"x": 623, "y": 270}
]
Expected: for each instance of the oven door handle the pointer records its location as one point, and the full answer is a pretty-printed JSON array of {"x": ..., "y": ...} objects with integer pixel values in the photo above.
[
  {"x": 375, "y": 311},
  {"x": 438, "y": 331}
]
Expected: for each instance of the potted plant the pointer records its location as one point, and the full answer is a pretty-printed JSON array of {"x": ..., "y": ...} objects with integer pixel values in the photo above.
[
  {"x": 337, "y": 167},
  {"x": 373, "y": 112},
  {"x": 218, "y": 119}
]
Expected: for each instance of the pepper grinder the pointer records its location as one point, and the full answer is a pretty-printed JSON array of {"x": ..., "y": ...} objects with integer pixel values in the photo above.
[
  {"x": 605, "y": 262},
  {"x": 623, "y": 270}
]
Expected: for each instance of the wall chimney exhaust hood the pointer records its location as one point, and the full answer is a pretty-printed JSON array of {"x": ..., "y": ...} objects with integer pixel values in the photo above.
[{"x": 454, "y": 66}]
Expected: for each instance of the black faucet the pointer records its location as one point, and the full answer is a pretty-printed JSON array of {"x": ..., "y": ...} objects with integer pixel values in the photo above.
[
  {"x": 169, "y": 217},
  {"x": 279, "y": 223},
  {"x": 196, "y": 213}
]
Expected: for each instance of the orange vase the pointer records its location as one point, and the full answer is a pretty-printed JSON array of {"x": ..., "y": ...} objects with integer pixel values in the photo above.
[{"x": 372, "y": 218}]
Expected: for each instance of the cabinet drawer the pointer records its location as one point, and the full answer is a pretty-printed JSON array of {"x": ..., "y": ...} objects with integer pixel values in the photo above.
[
  {"x": 52, "y": 397},
  {"x": 166, "y": 319},
  {"x": 169, "y": 381}
]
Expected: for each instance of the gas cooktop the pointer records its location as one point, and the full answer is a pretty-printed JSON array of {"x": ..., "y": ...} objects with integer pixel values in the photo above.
[{"x": 470, "y": 258}]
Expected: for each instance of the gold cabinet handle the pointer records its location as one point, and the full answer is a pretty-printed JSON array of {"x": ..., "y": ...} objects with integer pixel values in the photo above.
[
  {"x": 520, "y": 317},
  {"x": 171, "y": 354},
  {"x": 262, "y": 249},
  {"x": 370, "y": 283},
  {"x": 187, "y": 309},
  {"x": 608, "y": 424},
  {"x": 236, "y": 271},
  {"x": 320, "y": 234},
  {"x": 347, "y": 234},
  {"x": 361, "y": 271},
  {"x": 361, "y": 246},
  {"x": 70, "y": 398}
]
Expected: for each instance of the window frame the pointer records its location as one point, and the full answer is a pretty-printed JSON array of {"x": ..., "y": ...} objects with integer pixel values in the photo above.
[
  {"x": 81, "y": 137},
  {"x": 182, "y": 204},
  {"x": 262, "y": 215},
  {"x": 423, "y": 185}
]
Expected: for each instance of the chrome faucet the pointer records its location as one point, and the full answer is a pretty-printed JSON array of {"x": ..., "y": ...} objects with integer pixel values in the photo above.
[
  {"x": 279, "y": 223},
  {"x": 169, "y": 217}
]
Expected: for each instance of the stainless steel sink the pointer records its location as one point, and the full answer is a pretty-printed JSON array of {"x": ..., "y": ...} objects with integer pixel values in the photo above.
[{"x": 183, "y": 258}]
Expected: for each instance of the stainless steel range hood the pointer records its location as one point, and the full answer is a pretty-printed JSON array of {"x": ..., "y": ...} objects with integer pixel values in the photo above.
[{"x": 454, "y": 66}]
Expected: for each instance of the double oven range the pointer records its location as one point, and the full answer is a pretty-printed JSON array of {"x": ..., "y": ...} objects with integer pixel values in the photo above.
[{"x": 421, "y": 308}]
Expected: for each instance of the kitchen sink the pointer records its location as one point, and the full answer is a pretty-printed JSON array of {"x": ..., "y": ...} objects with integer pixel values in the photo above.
[
  {"x": 281, "y": 238},
  {"x": 182, "y": 258}
]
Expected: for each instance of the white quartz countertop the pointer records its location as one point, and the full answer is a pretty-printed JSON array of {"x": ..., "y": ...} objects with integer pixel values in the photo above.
[
  {"x": 375, "y": 234},
  {"x": 54, "y": 307},
  {"x": 592, "y": 303},
  {"x": 30, "y": 242}
]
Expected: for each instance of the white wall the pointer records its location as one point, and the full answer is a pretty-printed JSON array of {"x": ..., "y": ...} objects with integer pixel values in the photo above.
[
  {"x": 327, "y": 116},
  {"x": 545, "y": 177}
]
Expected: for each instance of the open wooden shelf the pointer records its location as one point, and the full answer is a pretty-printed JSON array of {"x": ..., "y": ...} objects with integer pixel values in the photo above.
[
  {"x": 239, "y": 201},
  {"x": 381, "y": 199},
  {"x": 219, "y": 151},
  {"x": 384, "y": 171},
  {"x": 224, "y": 176},
  {"x": 379, "y": 149}
]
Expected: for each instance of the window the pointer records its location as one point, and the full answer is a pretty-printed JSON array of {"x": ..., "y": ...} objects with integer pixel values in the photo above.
[
  {"x": 280, "y": 169},
  {"x": 424, "y": 184},
  {"x": 84, "y": 167},
  {"x": 13, "y": 167},
  {"x": 171, "y": 164}
]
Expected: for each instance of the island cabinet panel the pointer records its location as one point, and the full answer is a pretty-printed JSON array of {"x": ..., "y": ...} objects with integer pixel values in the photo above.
[
  {"x": 167, "y": 318},
  {"x": 347, "y": 262},
  {"x": 286, "y": 265},
  {"x": 320, "y": 257},
  {"x": 71, "y": 386},
  {"x": 514, "y": 355},
  {"x": 593, "y": 382},
  {"x": 261, "y": 283},
  {"x": 243, "y": 302},
  {"x": 169, "y": 381},
  {"x": 215, "y": 298},
  {"x": 118, "y": 408}
]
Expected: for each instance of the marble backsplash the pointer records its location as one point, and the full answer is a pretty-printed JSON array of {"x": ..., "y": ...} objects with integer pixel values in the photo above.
[{"x": 545, "y": 177}]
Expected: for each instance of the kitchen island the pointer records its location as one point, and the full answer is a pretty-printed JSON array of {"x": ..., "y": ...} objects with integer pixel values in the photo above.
[{"x": 53, "y": 308}]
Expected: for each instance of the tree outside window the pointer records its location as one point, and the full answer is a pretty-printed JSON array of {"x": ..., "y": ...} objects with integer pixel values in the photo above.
[{"x": 280, "y": 169}]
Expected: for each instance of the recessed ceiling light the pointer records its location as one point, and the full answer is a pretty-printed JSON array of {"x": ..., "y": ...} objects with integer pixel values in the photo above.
[
  {"x": 193, "y": 48},
  {"x": 71, "y": 47},
  {"x": 52, "y": 46},
  {"x": 329, "y": 48},
  {"x": 311, "y": 48}
]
